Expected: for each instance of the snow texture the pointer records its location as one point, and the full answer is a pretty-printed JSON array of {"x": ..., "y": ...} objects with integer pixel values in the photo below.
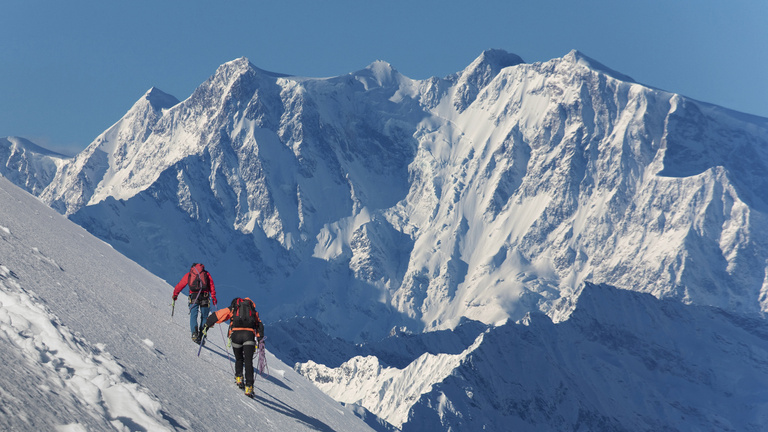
[
  {"x": 366, "y": 209},
  {"x": 89, "y": 344},
  {"x": 623, "y": 361}
]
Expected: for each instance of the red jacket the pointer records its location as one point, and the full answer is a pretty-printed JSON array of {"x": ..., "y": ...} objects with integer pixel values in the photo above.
[{"x": 185, "y": 281}]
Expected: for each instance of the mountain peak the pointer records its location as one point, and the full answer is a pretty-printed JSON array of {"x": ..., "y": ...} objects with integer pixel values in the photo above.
[
  {"x": 242, "y": 65},
  {"x": 240, "y": 62},
  {"x": 497, "y": 59},
  {"x": 381, "y": 65},
  {"x": 578, "y": 58},
  {"x": 27, "y": 145},
  {"x": 236, "y": 67},
  {"x": 481, "y": 72},
  {"x": 158, "y": 99},
  {"x": 382, "y": 72}
]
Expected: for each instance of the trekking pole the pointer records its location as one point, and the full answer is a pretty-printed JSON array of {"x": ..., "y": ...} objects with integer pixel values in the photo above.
[
  {"x": 226, "y": 346},
  {"x": 173, "y": 307}
]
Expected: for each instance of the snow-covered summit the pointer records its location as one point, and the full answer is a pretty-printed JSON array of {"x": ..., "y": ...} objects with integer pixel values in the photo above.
[
  {"x": 579, "y": 58},
  {"x": 491, "y": 193},
  {"x": 104, "y": 166},
  {"x": 159, "y": 100},
  {"x": 479, "y": 74},
  {"x": 379, "y": 74},
  {"x": 21, "y": 145}
]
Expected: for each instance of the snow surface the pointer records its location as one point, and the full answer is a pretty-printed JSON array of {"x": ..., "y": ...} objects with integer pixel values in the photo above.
[
  {"x": 28, "y": 165},
  {"x": 623, "y": 361},
  {"x": 89, "y": 344},
  {"x": 372, "y": 204}
]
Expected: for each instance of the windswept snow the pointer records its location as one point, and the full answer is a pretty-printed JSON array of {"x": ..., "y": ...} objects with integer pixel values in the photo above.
[
  {"x": 89, "y": 344},
  {"x": 69, "y": 381}
]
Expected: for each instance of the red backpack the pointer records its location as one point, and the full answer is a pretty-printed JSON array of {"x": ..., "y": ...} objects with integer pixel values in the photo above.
[{"x": 198, "y": 278}]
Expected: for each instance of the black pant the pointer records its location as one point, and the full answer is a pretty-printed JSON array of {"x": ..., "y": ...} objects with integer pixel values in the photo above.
[{"x": 244, "y": 346}]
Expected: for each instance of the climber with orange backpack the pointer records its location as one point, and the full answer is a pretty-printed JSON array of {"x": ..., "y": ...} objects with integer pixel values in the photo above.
[
  {"x": 245, "y": 328},
  {"x": 201, "y": 293}
]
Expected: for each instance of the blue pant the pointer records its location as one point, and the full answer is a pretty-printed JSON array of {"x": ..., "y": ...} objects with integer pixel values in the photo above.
[{"x": 193, "y": 310}]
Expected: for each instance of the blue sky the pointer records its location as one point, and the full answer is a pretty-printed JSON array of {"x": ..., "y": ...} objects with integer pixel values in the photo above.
[{"x": 70, "y": 69}]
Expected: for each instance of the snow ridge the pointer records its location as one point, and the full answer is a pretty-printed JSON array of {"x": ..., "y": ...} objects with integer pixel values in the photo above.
[
  {"x": 622, "y": 361},
  {"x": 28, "y": 165},
  {"x": 76, "y": 383},
  {"x": 543, "y": 176}
]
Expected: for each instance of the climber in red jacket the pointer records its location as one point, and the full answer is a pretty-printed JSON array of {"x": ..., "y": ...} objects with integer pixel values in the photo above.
[{"x": 201, "y": 292}]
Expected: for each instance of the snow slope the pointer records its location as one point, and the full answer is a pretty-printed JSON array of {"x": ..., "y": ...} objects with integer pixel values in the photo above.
[{"x": 89, "y": 344}]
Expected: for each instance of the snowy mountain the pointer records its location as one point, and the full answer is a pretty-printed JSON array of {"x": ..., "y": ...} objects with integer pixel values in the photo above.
[
  {"x": 363, "y": 210},
  {"x": 487, "y": 194},
  {"x": 89, "y": 344},
  {"x": 28, "y": 165},
  {"x": 623, "y": 361}
]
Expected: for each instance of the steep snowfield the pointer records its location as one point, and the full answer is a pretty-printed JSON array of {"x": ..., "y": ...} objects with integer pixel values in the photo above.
[{"x": 89, "y": 344}]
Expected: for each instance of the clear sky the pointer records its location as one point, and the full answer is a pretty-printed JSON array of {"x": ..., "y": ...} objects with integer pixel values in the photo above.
[{"x": 70, "y": 69}]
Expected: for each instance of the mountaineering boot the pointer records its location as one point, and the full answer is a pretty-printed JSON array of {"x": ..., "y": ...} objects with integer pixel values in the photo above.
[
  {"x": 200, "y": 337},
  {"x": 239, "y": 382},
  {"x": 249, "y": 391},
  {"x": 196, "y": 336}
]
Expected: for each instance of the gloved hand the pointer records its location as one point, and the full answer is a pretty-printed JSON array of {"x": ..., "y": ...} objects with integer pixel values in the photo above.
[
  {"x": 214, "y": 301},
  {"x": 175, "y": 297}
]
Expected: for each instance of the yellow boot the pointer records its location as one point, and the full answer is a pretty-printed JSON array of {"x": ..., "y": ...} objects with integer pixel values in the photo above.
[
  {"x": 239, "y": 381},
  {"x": 249, "y": 391}
]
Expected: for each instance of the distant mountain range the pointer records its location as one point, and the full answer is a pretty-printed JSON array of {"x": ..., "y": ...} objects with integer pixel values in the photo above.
[{"x": 370, "y": 204}]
